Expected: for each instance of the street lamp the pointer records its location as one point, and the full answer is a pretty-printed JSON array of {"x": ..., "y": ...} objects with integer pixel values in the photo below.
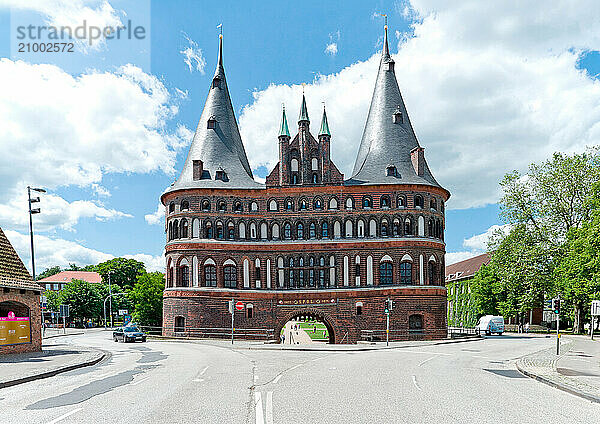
[
  {"x": 110, "y": 297},
  {"x": 110, "y": 303},
  {"x": 31, "y": 213}
]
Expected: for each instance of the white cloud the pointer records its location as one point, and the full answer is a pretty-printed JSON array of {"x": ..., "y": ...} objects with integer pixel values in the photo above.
[
  {"x": 475, "y": 245},
  {"x": 59, "y": 130},
  {"x": 72, "y": 13},
  {"x": 192, "y": 56},
  {"x": 489, "y": 88},
  {"x": 158, "y": 217},
  {"x": 331, "y": 49},
  {"x": 50, "y": 252}
]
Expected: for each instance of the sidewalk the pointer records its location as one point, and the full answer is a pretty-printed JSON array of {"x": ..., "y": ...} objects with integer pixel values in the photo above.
[
  {"x": 58, "y": 332},
  {"x": 576, "y": 370},
  {"x": 54, "y": 359}
]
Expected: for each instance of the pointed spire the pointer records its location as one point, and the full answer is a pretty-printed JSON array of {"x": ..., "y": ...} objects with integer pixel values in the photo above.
[
  {"x": 283, "y": 129},
  {"x": 386, "y": 49},
  {"x": 324, "y": 124},
  {"x": 217, "y": 143},
  {"x": 303, "y": 110}
]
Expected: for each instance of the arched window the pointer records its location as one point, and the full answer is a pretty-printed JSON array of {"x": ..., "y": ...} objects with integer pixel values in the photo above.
[
  {"x": 175, "y": 229},
  {"x": 208, "y": 231},
  {"x": 401, "y": 201},
  {"x": 242, "y": 230},
  {"x": 430, "y": 228},
  {"x": 419, "y": 201},
  {"x": 280, "y": 272},
  {"x": 396, "y": 228},
  {"x": 384, "y": 228},
  {"x": 415, "y": 323},
  {"x": 385, "y": 273},
  {"x": 171, "y": 207},
  {"x": 312, "y": 231},
  {"x": 170, "y": 233},
  {"x": 433, "y": 204},
  {"x": 205, "y": 205},
  {"x": 407, "y": 227},
  {"x": 185, "y": 205},
  {"x": 300, "y": 230},
  {"x": 220, "y": 233},
  {"x": 337, "y": 229},
  {"x": 321, "y": 272},
  {"x": 303, "y": 205},
  {"x": 246, "y": 273},
  {"x": 372, "y": 228},
  {"x": 421, "y": 226},
  {"x": 314, "y": 164},
  {"x": 210, "y": 276},
  {"x": 273, "y": 205},
  {"x": 230, "y": 275},
  {"x": 275, "y": 231},
  {"x": 237, "y": 207},
  {"x": 318, "y": 204},
  {"x": 184, "y": 276},
  {"x": 230, "y": 231},
  {"x": 432, "y": 273},
  {"x": 263, "y": 231},
  {"x": 442, "y": 206},
  {"x": 367, "y": 203},
  {"x": 349, "y": 203},
  {"x": 333, "y": 203},
  {"x": 289, "y": 205},
  {"x": 170, "y": 277},
  {"x": 291, "y": 272},
  {"x": 311, "y": 272},
  {"x": 406, "y": 273},
  {"x": 287, "y": 231},
  {"x": 348, "y": 229},
  {"x": 324, "y": 230},
  {"x": 184, "y": 229},
  {"x": 294, "y": 165},
  {"x": 252, "y": 230},
  {"x": 196, "y": 228},
  {"x": 253, "y": 206},
  {"x": 385, "y": 202},
  {"x": 361, "y": 228}
]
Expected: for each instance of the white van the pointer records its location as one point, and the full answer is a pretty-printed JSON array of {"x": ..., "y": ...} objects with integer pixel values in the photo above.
[{"x": 489, "y": 324}]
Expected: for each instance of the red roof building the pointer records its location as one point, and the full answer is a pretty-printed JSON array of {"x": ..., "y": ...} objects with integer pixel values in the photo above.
[
  {"x": 467, "y": 268},
  {"x": 58, "y": 281}
]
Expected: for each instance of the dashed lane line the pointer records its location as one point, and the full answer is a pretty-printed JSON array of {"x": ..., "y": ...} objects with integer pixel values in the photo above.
[
  {"x": 62, "y": 417},
  {"x": 269, "y": 407},
  {"x": 426, "y": 360},
  {"x": 277, "y": 379},
  {"x": 414, "y": 379},
  {"x": 203, "y": 371},
  {"x": 135, "y": 383},
  {"x": 259, "y": 408}
]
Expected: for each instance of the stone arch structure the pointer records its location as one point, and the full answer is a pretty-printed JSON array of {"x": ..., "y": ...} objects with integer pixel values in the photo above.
[{"x": 316, "y": 313}]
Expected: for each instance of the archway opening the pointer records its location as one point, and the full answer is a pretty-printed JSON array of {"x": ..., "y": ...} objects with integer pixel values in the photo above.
[{"x": 306, "y": 327}]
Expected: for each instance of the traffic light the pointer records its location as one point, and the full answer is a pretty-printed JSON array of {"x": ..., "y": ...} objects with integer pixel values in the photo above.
[
  {"x": 388, "y": 305},
  {"x": 556, "y": 306}
]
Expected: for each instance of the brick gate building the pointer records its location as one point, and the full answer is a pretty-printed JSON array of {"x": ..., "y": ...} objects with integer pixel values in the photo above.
[{"x": 308, "y": 242}]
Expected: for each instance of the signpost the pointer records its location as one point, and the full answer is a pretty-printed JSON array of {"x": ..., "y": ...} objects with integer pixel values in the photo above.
[
  {"x": 595, "y": 313},
  {"x": 234, "y": 306},
  {"x": 556, "y": 310},
  {"x": 64, "y": 313},
  {"x": 389, "y": 305}
]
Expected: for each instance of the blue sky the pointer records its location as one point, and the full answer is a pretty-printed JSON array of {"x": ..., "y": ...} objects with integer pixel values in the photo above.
[{"x": 479, "y": 93}]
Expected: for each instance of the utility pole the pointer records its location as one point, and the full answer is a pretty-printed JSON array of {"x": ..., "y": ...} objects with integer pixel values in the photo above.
[
  {"x": 109, "y": 301},
  {"x": 387, "y": 310},
  {"x": 556, "y": 310},
  {"x": 232, "y": 311},
  {"x": 31, "y": 213}
]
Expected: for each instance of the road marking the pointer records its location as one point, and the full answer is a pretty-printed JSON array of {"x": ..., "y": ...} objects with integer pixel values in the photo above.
[
  {"x": 277, "y": 379},
  {"x": 62, "y": 417},
  {"x": 269, "y": 407},
  {"x": 426, "y": 360},
  {"x": 259, "y": 409},
  {"x": 415, "y": 382},
  {"x": 255, "y": 378},
  {"x": 295, "y": 366},
  {"x": 203, "y": 371},
  {"x": 138, "y": 381},
  {"x": 198, "y": 380},
  {"x": 424, "y": 351}
]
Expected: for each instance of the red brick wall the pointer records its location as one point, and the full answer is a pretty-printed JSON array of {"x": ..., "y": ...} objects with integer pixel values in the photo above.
[
  {"x": 204, "y": 308},
  {"x": 32, "y": 301}
]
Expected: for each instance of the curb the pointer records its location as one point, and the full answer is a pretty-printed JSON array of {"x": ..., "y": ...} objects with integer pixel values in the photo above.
[
  {"x": 62, "y": 335},
  {"x": 559, "y": 386},
  {"x": 52, "y": 373}
]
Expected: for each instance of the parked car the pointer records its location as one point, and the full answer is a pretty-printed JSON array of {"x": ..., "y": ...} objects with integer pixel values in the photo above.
[
  {"x": 490, "y": 324},
  {"x": 129, "y": 333}
]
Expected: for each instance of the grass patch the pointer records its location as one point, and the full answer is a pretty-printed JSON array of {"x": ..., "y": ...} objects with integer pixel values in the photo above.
[{"x": 308, "y": 327}]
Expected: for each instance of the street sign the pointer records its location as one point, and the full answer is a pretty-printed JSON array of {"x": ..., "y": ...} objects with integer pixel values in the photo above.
[
  {"x": 123, "y": 311},
  {"x": 596, "y": 307},
  {"x": 239, "y": 306},
  {"x": 64, "y": 311},
  {"x": 230, "y": 306}
]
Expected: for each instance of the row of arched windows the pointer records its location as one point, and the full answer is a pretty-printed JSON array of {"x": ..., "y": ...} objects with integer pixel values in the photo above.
[
  {"x": 317, "y": 203},
  {"x": 299, "y": 272},
  {"x": 388, "y": 226}
]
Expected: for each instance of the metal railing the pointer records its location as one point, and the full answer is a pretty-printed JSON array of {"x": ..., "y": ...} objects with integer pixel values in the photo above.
[
  {"x": 455, "y": 332},
  {"x": 397, "y": 335},
  {"x": 215, "y": 333}
]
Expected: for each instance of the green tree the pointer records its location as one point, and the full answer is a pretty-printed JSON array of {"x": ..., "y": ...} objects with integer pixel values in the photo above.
[
  {"x": 48, "y": 272},
  {"x": 123, "y": 272},
  {"x": 147, "y": 297},
  {"x": 486, "y": 290},
  {"x": 83, "y": 298},
  {"x": 578, "y": 273},
  {"x": 53, "y": 298}
]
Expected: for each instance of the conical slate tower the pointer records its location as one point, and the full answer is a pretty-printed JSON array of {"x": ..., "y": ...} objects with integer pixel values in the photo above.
[
  {"x": 389, "y": 152},
  {"x": 217, "y": 158}
]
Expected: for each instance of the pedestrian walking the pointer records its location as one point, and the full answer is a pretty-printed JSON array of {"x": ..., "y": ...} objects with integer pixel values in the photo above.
[
  {"x": 527, "y": 328},
  {"x": 282, "y": 337}
]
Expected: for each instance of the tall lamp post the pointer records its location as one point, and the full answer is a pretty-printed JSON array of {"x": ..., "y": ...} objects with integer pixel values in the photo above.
[
  {"x": 33, "y": 211},
  {"x": 109, "y": 302}
]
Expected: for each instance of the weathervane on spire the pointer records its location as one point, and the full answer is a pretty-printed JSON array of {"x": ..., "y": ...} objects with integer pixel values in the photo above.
[
  {"x": 220, "y": 26},
  {"x": 384, "y": 17}
]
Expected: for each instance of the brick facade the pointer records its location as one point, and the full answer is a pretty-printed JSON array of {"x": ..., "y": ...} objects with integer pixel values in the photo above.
[{"x": 31, "y": 300}]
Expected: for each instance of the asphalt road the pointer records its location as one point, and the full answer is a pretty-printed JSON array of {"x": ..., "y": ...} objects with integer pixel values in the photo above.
[{"x": 177, "y": 382}]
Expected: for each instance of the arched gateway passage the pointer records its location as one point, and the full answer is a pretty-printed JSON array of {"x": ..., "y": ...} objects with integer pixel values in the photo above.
[{"x": 308, "y": 316}]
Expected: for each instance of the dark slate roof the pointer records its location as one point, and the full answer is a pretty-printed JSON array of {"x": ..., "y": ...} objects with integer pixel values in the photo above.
[
  {"x": 218, "y": 148},
  {"x": 13, "y": 273},
  {"x": 467, "y": 268},
  {"x": 383, "y": 142}
]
